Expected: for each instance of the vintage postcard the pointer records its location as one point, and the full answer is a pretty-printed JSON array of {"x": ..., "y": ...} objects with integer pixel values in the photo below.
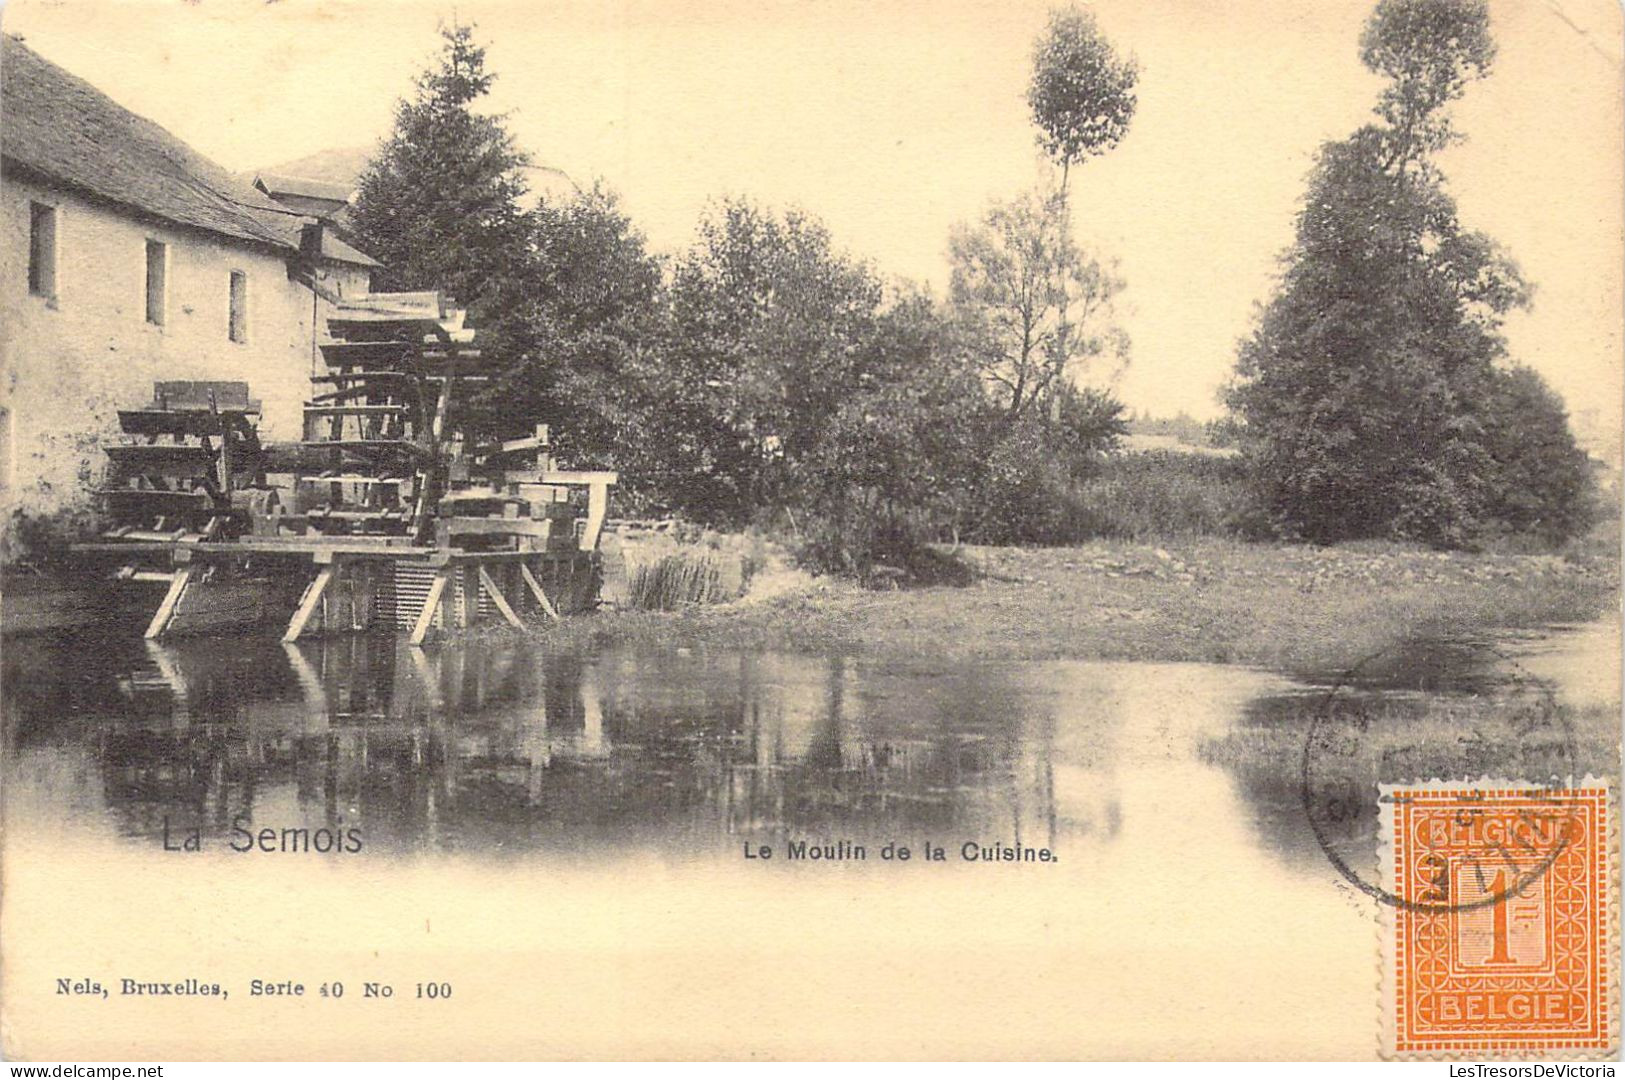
[{"x": 1035, "y": 529}]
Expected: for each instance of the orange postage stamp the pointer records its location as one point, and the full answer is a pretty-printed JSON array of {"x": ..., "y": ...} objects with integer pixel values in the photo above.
[{"x": 1499, "y": 940}]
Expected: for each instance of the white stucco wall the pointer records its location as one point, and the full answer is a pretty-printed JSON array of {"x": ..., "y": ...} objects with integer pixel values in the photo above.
[{"x": 67, "y": 365}]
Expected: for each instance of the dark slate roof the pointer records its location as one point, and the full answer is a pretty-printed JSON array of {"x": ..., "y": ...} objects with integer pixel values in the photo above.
[
  {"x": 336, "y": 250},
  {"x": 59, "y": 128}
]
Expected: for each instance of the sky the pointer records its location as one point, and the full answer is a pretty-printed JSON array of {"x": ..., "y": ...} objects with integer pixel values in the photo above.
[{"x": 892, "y": 120}]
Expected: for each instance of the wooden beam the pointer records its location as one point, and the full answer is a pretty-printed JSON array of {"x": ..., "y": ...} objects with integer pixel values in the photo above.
[
  {"x": 425, "y": 622},
  {"x": 497, "y": 598},
  {"x": 307, "y": 604},
  {"x": 166, "y": 610},
  {"x": 310, "y": 683},
  {"x": 536, "y": 590}
]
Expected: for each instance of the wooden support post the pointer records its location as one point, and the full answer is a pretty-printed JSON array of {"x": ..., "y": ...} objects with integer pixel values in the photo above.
[
  {"x": 498, "y": 599},
  {"x": 470, "y": 612},
  {"x": 565, "y": 589},
  {"x": 597, "y": 511},
  {"x": 536, "y": 591},
  {"x": 307, "y": 604},
  {"x": 437, "y": 588},
  {"x": 172, "y": 598},
  {"x": 366, "y": 594}
]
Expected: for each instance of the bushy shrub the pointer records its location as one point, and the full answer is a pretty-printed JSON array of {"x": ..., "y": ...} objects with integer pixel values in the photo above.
[
  {"x": 1163, "y": 494},
  {"x": 44, "y": 539},
  {"x": 868, "y": 537},
  {"x": 1030, "y": 491}
]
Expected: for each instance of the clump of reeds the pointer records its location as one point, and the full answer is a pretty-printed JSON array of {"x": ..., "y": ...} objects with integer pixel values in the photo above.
[{"x": 678, "y": 580}]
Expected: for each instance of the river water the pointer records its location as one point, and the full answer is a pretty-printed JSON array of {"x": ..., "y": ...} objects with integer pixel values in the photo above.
[{"x": 553, "y": 811}]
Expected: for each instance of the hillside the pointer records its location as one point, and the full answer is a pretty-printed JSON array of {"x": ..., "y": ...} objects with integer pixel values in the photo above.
[{"x": 338, "y": 165}]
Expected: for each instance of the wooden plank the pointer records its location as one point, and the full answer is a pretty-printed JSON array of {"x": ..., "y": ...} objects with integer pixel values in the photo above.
[
  {"x": 387, "y": 514},
  {"x": 138, "y": 543},
  {"x": 163, "y": 536},
  {"x": 302, "y": 547},
  {"x": 376, "y": 547},
  {"x": 166, "y": 610},
  {"x": 497, "y": 598},
  {"x": 469, "y": 608},
  {"x": 158, "y": 456},
  {"x": 156, "y": 495},
  {"x": 480, "y": 526},
  {"x": 349, "y": 378},
  {"x": 479, "y": 495},
  {"x": 313, "y": 409},
  {"x": 362, "y": 444},
  {"x": 204, "y": 396},
  {"x": 524, "y": 479},
  {"x": 430, "y": 603},
  {"x": 536, "y": 591},
  {"x": 578, "y": 477},
  {"x": 538, "y": 441},
  {"x": 130, "y": 573},
  {"x": 455, "y": 556},
  {"x": 170, "y": 422},
  {"x": 341, "y": 353},
  {"x": 307, "y": 605},
  {"x": 354, "y": 478}
]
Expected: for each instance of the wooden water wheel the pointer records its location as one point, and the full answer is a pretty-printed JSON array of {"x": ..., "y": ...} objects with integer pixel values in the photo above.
[
  {"x": 395, "y": 451},
  {"x": 192, "y": 467}
]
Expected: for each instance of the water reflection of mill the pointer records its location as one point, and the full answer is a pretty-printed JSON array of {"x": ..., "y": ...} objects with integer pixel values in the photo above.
[{"x": 498, "y": 745}]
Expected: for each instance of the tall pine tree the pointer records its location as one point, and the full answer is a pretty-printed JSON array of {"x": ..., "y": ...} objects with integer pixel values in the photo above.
[
  {"x": 442, "y": 207},
  {"x": 439, "y": 205}
]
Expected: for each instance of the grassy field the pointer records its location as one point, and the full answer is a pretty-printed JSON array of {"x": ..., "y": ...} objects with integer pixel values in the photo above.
[{"x": 1291, "y": 608}]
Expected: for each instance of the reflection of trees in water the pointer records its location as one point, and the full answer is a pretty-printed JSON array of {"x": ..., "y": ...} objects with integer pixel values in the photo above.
[{"x": 503, "y": 745}]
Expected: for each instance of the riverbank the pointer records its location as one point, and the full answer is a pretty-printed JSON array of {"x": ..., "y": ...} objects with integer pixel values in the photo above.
[{"x": 1291, "y": 608}]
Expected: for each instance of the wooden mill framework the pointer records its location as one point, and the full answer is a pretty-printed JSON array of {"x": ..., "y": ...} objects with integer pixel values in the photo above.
[{"x": 398, "y": 510}]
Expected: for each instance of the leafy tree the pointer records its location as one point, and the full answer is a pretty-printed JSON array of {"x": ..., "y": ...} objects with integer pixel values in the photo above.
[
  {"x": 595, "y": 267},
  {"x": 1081, "y": 93},
  {"x": 899, "y": 461},
  {"x": 767, "y": 324},
  {"x": 564, "y": 295},
  {"x": 1369, "y": 385},
  {"x": 1543, "y": 483},
  {"x": 1032, "y": 305},
  {"x": 601, "y": 297},
  {"x": 1429, "y": 51}
]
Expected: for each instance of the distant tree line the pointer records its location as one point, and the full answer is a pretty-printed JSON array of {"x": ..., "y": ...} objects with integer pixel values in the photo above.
[{"x": 766, "y": 377}]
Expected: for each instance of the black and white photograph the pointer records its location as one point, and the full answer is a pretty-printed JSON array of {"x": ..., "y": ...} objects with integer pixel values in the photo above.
[{"x": 810, "y": 530}]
